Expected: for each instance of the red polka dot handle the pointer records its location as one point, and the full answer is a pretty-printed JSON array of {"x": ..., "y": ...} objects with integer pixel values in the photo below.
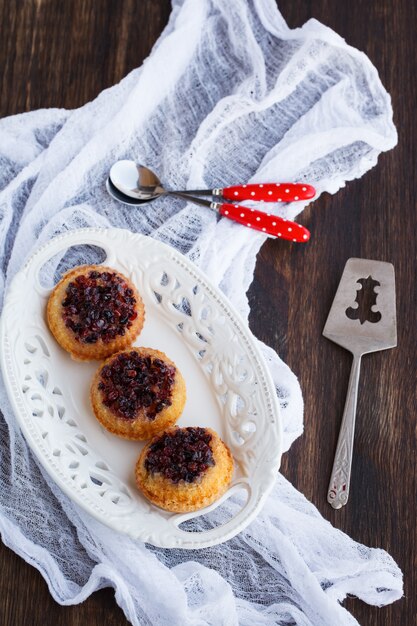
[
  {"x": 265, "y": 222},
  {"x": 269, "y": 192}
]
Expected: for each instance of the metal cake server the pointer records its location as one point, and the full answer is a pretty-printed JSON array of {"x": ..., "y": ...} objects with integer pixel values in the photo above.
[{"x": 362, "y": 319}]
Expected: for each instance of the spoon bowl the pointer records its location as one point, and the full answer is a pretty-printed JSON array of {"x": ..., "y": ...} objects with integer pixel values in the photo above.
[
  {"x": 118, "y": 195},
  {"x": 135, "y": 181}
]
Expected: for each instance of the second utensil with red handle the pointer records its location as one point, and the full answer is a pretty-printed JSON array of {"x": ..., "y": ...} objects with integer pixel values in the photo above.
[{"x": 271, "y": 225}]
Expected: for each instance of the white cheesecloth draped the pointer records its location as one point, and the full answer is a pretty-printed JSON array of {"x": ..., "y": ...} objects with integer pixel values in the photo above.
[{"x": 229, "y": 95}]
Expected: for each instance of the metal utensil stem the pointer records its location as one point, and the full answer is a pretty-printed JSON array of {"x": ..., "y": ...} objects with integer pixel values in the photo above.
[
  {"x": 338, "y": 492},
  {"x": 195, "y": 192},
  {"x": 207, "y": 203}
]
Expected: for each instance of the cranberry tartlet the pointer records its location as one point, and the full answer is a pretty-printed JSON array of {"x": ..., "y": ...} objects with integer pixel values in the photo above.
[
  {"x": 184, "y": 469},
  {"x": 138, "y": 393},
  {"x": 94, "y": 311}
]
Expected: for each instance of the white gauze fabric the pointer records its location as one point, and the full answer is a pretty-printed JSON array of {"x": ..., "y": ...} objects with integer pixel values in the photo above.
[{"x": 229, "y": 95}]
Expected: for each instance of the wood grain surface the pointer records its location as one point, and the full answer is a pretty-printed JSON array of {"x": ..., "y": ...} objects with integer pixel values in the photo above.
[{"x": 62, "y": 54}]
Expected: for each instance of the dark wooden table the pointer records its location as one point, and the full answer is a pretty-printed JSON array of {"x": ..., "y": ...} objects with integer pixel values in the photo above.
[{"x": 62, "y": 54}]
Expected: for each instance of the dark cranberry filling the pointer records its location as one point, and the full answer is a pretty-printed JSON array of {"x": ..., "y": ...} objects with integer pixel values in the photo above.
[
  {"x": 183, "y": 454},
  {"x": 132, "y": 382},
  {"x": 99, "y": 305}
]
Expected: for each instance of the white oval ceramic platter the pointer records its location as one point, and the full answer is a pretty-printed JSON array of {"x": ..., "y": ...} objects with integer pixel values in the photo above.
[{"x": 228, "y": 388}]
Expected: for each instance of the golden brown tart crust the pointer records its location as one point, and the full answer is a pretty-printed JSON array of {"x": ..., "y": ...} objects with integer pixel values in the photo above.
[
  {"x": 192, "y": 492},
  {"x": 143, "y": 416},
  {"x": 92, "y": 318}
]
